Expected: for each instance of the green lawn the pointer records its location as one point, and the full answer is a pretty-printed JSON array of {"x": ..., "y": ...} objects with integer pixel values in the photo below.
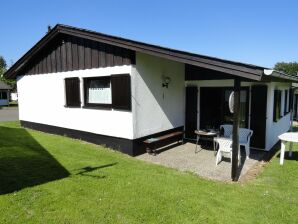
[{"x": 52, "y": 179}]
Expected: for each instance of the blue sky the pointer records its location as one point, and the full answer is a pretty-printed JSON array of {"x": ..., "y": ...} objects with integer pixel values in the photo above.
[{"x": 259, "y": 32}]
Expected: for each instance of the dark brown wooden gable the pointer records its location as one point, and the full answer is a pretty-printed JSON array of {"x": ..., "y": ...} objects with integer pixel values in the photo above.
[{"x": 69, "y": 53}]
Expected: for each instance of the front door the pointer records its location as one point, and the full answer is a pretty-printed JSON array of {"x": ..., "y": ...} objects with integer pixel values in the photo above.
[
  {"x": 258, "y": 116},
  {"x": 191, "y": 105}
]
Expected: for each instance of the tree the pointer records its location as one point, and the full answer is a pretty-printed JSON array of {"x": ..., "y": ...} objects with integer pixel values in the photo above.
[
  {"x": 3, "y": 67},
  {"x": 290, "y": 68}
]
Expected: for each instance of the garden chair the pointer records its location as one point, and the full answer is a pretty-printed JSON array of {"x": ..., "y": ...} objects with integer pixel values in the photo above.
[
  {"x": 224, "y": 147},
  {"x": 244, "y": 136},
  {"x": 244, "y": 139},
  {"x": 226, "y": 130}
]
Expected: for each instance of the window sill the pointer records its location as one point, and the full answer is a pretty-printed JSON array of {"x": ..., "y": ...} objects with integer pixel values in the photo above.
[
  {"x": 72, "y": 106},
  {"x": 98, "y": 107}
]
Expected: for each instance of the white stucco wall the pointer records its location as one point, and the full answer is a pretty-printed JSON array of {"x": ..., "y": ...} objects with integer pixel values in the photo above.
[
  {"x": 274, "y": 129},
  {"x": 156, "y": 108},
  {"x": 42, "y": 100}
]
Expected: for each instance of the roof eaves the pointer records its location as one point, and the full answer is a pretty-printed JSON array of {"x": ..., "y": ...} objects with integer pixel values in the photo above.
[
  {"x": 230, "y": 67},
  {"x": 254, "y": 73},
  {"x": 26, "y": 57},
  {"x": 279, "y": 74}
]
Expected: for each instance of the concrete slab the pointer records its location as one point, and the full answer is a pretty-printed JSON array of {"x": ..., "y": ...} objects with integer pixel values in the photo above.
[
  {"x": 202, "y": 163},
  {"x": 9, "y": 113}
]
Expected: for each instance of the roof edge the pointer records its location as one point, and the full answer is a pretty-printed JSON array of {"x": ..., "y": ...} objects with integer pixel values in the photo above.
[{"x": 231, "y": 67}]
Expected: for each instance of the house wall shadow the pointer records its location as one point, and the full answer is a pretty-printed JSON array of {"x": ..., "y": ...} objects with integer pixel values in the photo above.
[{"x": 24, "y": 162}]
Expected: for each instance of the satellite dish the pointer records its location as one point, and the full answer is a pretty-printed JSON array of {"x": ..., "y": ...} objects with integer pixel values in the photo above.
[{"x": 231, "y": 102}]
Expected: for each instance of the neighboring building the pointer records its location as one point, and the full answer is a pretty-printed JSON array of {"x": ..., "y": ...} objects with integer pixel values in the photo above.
[
  {"x": 118, "y": 92},
  {"x": 14, "y": 96},
  {"x": 4, "y": 94}
]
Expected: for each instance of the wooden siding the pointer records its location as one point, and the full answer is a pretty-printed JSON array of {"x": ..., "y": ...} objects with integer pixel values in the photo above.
[{"x": 69, "y": 53}]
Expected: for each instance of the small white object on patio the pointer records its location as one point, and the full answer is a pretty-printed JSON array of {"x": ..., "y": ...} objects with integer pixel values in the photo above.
[{"x": 287, "y": 137}]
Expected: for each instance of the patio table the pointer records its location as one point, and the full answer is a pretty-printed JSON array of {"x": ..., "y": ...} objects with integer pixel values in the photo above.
[
  {"x": 287, "y": 137},
  {"x": 210, "y": 134}
]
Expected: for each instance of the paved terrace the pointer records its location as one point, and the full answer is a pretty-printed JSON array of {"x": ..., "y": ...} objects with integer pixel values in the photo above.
[{"x": 202, "y": 163}]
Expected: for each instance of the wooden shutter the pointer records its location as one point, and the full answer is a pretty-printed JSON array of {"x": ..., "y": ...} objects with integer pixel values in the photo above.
[
  {"x": 258, "y": 115},
  {"x": 72, "y": 92},
  {"x": 286, "y": 103},
  {"x": 191, "y": 111},
  {"x": 291, "y": 91},
  {"x": 276, "y": 105},
  {"x": 121, "y": 91}
]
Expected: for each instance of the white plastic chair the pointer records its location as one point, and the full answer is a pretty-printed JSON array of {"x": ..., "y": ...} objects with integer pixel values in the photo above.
[
  {"x": 244, "y": 136},
  {"x": 224, "y": 147},
  {"x": 227, "y": 130},
  {"x": 244, "y": 139}
]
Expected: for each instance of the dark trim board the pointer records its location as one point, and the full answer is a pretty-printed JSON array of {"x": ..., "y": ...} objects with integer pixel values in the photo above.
[
  {"x": 234, "y": 68},
  {"x": 128, "y": 146}
]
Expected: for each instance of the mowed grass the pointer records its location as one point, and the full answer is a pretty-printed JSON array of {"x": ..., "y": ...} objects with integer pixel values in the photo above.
[{"x": 53, "y": 179}]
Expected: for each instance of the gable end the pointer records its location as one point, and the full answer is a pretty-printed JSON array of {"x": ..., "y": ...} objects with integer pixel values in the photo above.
[{"x": 69, "y": 53}]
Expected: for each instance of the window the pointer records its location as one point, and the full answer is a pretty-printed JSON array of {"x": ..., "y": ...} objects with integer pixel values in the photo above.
[
  {"x": 3, "y": 95},
  {"x": 98, "y": 91},
  {"x": 277, "y": 105},
  {"x": 72, "y": 92},
  {"x": 108, "y": 91}
]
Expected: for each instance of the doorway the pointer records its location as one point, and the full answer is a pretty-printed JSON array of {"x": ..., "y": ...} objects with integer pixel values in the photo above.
[{"x": 214, "y": 107}]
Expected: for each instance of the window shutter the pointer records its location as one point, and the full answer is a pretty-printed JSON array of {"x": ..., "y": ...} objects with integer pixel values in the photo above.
[
  {"x": 121, "y": 92},
  {"x": 277, "y": 105},
  {"x": 72, "y": 92},
  {"x": 286, "y": 102},
  {"x": 291, "y": 99}
]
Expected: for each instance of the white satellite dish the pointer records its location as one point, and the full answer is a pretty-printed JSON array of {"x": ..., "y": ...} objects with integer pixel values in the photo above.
[{"x": 231, "y": 102}]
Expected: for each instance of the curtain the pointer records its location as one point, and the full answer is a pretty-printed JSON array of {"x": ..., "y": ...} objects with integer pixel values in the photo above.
[{"x": 99, "y": 92}]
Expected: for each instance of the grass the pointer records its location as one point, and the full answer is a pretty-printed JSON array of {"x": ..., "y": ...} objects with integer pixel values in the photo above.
[{"x": 54, "y": 179}]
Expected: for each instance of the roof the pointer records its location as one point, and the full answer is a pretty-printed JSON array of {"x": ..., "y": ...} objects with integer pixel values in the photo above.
[
  {"x": 4, "y": 86},
  {"x": 243, "y": 70}
]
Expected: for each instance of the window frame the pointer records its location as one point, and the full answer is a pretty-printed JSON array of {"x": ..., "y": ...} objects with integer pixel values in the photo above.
[{"x": 86, "y": 81}]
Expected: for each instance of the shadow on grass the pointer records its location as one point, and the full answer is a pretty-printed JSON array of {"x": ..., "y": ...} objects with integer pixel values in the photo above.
[
  {"x": 86, "y": 170},
  {"x": 24, "y": 162}
]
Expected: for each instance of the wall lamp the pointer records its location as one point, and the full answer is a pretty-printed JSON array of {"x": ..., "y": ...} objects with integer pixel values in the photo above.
[{"x": 166, "y": 81}]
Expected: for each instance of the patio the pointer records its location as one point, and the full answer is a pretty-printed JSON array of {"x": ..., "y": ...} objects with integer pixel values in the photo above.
[{"x": 184, "y": 158}]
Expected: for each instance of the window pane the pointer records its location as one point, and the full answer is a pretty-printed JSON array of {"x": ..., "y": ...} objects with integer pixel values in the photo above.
[
  {"x": 99, "y": 92},
  {"x": 4, "y": 95}
]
